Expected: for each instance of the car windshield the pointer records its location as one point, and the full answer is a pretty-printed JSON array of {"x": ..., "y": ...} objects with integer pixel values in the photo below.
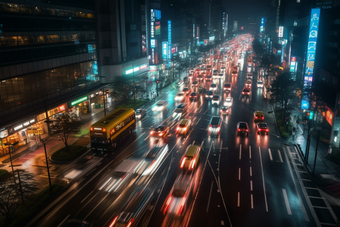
[
  {"x": 178, "y": 192},
  {"x": 263, "y": 125},
  {"x": 259, "y": 82},
  {"x": 138, "y": 111},
  {"x": 209, "y": 93},
  {"x": 159, "y": 129},
  {"x": 213, "y": 85},
  {"x": 178, "y": 110},
  {"x": 180, "y": 94},
  {"x": 243, "y": 126},
  {"x": 185, "y": 89},
  {"x": 259, "y": 114},
  {"x": 193, "y": 94},
  {"x": 224, "y": 107},
  {"x": 159, "y": 104}
]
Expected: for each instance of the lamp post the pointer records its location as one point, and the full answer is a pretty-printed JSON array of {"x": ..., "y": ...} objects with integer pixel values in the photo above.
[
  {"x": 104, "y": 96},
  {"x": 11, "y": 145},
  {"x": 48, "y": 169}
]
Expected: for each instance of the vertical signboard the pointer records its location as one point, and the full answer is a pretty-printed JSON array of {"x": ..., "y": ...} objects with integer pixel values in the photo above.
[
  {"x": 280, "y": 31},
  {"x": 262, "y": 25},
  {"x": 169, "y": 39},
  {"x": 165, "y": 50},
  {"x": 311, "y": 47},
  {"x": 235, "y": 26},
  {"x": 155, "y": 31}
]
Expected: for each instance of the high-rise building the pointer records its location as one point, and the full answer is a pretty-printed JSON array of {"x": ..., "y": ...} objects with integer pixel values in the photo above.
[{"x": 48, "y": 64}]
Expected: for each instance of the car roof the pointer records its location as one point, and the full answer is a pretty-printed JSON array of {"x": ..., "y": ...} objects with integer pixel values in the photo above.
[
  {"x": 216, "y": 96},
  {"x": 210, "y": 92},
  {"x": 194, "y": 93},
  {"x": 258, "y": 112},
  {"x": 184, "y": 122},
  {"x": 215, "y": 120},
  {"x": 191, "y": 150},
  {"x": 262, "y": 125}
]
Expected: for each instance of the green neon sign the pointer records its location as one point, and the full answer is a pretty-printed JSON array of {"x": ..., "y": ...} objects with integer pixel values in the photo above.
[{"x": 82, "y": 99}]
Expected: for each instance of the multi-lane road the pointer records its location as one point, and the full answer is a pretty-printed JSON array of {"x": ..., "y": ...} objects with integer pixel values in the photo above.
[{"x": 239, "y": 181}]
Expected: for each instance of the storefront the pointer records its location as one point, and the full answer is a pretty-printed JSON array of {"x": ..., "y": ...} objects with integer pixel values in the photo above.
[
  {"x": 20, "y": 134},
  {"x": 97, "y": 98},
  {"x": 79, "y": 106}
]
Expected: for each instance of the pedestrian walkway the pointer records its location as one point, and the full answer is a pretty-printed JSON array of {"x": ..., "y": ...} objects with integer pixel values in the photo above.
[{"x": 326, "y": 173}]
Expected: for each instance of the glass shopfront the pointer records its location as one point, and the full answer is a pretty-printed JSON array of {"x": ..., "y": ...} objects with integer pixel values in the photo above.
[{"x": 79, "y": 106}]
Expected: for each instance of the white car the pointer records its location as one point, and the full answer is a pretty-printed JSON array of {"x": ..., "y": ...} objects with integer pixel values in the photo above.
[
  {"x": 228, "y": 102},
  {"x": 213, "y": 87},
  {"x": 215, "y": 100},
  {"x": 259, "y": 83},
  {"x": 221, "y": 76},
  {"x": 179, "y": 96},
  {"x": 215, "y": 76},
  {"x": 160, "y": 106}
]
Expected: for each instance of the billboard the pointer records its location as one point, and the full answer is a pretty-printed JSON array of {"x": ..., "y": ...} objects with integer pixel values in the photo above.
[
  {"x": 262, "y": 25},
  {"x": 153, "y": 43},
  {"x": 280, "y": 31},
  {"x": 165, "y": 50},
  {"x": 235, "y": 26},
  {"x": 311, "y": 47},
  {"x": 169, "y": 39}
]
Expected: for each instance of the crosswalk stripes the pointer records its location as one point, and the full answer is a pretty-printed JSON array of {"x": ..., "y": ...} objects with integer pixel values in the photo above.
[{"x": 274, "y": 155}]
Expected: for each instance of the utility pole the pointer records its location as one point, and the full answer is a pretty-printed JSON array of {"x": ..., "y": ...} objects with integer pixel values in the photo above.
[
  {"x": 104, "y": 96},
  {"x": 22, "y": 195}
]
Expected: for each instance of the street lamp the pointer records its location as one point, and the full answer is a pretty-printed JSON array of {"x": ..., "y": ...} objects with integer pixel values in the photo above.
[
  {"x": 48, "y": 169},
  {"x": 11, "y": 145}
]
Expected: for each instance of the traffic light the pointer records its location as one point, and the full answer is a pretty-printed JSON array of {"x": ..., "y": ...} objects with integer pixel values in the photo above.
[
  {"x": 157, "y": 81},
  {"x": 311, "y": 114}
]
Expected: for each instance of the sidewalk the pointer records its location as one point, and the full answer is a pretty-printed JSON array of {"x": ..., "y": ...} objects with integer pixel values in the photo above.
[{"x": 326, "y": 173}]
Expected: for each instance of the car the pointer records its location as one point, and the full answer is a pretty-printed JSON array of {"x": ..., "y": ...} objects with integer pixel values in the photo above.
[
  {"x": 200, "y": 77},
  {"x": 180, "y": 110},
  {"x": 191, "y": 75},
  {"x": 160, "y": 131},
  {"x": 220, "y": 76},
  {"x": 224, "y": 110},
  {"x": 215, "y": 71},
  {"x": 213, "y": 87},
  {"x": 140, "y": 113},
  {"x": 250, "y": 76},
  {"x": 242, "y": 128},
  {"x": 246, "y": 92},
  {"x": 209, "y": 94},
  {"x": 248, "y": 84},
  {"x": 193, "y": 96},
  {"x": 160, "y": 106},
  {"x": 191, "y": 157},
  {"x": 122, "y": 176},
  {"x": 215, "y": 100},
  {"x": 262, "y": 128},
  {"x": 180, "y": 83},
  {"x": 227, "y": 87},
  {"x": 258, "y": 116},
  {"x": 228, "y": 102},
  {"x": 186, "y": 90},
  {"x": 179, "y": 96},
  {"x": 195, "y": 83},
  {"x": 215, "y": 76},
  {"x": 215, "y": 126},
  {"x": 208, "y": 78},
  {"x": 181, "y": 193},
  {"x": 259, "y": 83},
  {"x": 154, "y": 159},
  {"x": 183, "y": 127}
]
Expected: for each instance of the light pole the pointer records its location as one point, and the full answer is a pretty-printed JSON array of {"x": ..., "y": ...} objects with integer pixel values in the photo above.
[
  {"x": 48, "y": 169},
  {"x": 11, "y": 145},
  {"x": 104, "y": 96}
]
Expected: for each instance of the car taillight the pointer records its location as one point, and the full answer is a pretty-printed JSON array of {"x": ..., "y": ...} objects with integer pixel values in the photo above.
[
  {"x": 113, "y": 222},
  {"x": 161, "y": 134},
  {"x": 181, "y": 206},
  {"x": 267, "y": 130},
  {"x": 238, "y": 129},
  {"x": 177, "y": 128},
  {"x": 220, "y": 111},
  {"x": 183, "y": 161},
  {"x": 151, "y": 133},
  {"x": 168, "y": 201},
  {"x": 130, "y": 222},
  {"x": 259, "y": 129},
  {"x": 247, "y": 130}
]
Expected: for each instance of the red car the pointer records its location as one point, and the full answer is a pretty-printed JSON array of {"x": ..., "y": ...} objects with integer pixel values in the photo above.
[
  {"x": 246, "y": 92},
  {"x": 262, "y": 128},
  {"x": 160, "y": 131}
]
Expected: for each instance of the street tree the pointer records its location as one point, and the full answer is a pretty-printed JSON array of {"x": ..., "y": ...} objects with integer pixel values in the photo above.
[
  {"x": 267, "y": 62},
  {"x": 65, "y": 126},
  {"x": 258, "y": 48},
  {"x": 282, "y": 91},
  {"x": 124, "y": 89},
  {"x": 14, "y": 192}
]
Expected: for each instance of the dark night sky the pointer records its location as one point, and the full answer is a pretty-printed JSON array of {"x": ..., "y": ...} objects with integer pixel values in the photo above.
[{"x": 240, "y": 10}]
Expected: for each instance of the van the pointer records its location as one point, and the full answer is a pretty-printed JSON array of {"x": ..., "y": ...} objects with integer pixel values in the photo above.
[
  {"x": 191, "y": 157},
  {"x": 183, "y": 127},
  {"x": 215, "y": 126}
]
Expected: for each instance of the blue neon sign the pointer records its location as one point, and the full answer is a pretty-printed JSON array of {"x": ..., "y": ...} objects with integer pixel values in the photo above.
[
  {"x": 262, "y": 25},
  {"x": 165, "y": 50},
  {"x": 311, "y": 48},
  {"x": 169, "y": 39}
]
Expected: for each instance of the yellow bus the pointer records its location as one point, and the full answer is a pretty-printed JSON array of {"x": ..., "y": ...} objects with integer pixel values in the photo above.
[{"x": 109, "y": 131}]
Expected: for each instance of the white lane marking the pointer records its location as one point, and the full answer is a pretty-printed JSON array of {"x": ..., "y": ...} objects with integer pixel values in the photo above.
[
  {"x": 199, "y": 186},
  {"x": 249, "y": 152},
  {"x": 270, "y": 154},
  {"x": 211, "y": 187},
  {"x": 251, "y": 201},
  {"x": 264, "y": 186},
  {"x": 63, "y": 221},
  {"x": 251, "y": 185},
  {"x": 329, "y": 208},
  {"x": 239, "y": 157},
  {"x": 222, "y": 222},
  {"x": 193, "y": 142},
  {"x": 286, "y": 201},
  {"x": 296, "y": 189},
  {"x": 251, "y": 171},
  {"x": 87, "y": 196},
  {"x": 238, "y": 199},
  {"x": 280, "y": 155},
  {"x": 239, "y": 173},
  {"x": 147, "y": 137},
  {"x": 97, "y": 205}
]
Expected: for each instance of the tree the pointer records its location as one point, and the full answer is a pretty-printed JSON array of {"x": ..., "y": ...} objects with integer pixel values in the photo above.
[
  {"x": 11, "y": 193},
  {"x": 282, "y": 91},
  {"x": 268, "y": 61},
  {"x": 65, "y": 126},
  {"x": 258, "y": 48}
]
